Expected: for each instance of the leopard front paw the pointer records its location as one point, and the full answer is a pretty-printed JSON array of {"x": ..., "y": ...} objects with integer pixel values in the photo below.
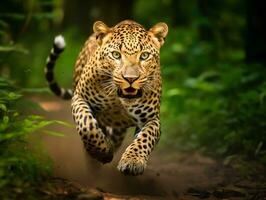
[
  {"x": 132, "y": 165},
  {"x": 102, "y": 153},
  {"x": 103, "y": 157}
]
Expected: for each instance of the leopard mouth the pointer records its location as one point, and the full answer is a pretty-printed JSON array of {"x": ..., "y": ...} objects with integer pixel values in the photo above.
[
  {"x": 129, "y": 93},
  {"x": 130, "y": 90}
]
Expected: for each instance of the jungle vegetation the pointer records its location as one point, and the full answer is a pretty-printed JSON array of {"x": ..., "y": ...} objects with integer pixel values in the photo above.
[{"x": 213, "y": 68}]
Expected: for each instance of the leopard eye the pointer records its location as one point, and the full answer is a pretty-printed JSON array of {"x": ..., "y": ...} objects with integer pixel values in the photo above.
[
  {"x": 116, "y": 55},
  {"x": 144, "y": 56}
]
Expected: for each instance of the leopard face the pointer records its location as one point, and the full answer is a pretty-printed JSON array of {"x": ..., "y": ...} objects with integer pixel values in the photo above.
[{"x": 130, "y": 55}]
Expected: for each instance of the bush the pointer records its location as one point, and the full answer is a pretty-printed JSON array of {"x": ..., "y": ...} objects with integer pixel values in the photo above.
[{"x": 20, "y": 165}]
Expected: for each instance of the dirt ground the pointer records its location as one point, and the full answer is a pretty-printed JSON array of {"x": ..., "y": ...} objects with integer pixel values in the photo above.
[{"x": 169, "y": 175}]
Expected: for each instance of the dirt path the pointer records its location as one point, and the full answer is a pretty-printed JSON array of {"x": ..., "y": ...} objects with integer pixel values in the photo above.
[{"x": 170, "y": 174}]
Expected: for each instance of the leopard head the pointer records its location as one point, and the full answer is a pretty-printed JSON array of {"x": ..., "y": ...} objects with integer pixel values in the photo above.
[{"x": 130, "y": 56}]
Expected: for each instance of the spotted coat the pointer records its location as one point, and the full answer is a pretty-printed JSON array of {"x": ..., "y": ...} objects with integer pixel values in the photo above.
[{"x": 117, "y": 85}]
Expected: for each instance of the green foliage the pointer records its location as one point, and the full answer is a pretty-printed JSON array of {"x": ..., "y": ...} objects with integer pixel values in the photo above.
[
  {"x": 223, "y": 113},
  {"x": 212, "y": 101},
  {"x": 23, "y": 54},
  {"x": 19, "y": 163}
]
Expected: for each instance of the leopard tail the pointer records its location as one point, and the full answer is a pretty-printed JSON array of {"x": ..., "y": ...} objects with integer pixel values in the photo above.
[{"x": 58, "y": 48}]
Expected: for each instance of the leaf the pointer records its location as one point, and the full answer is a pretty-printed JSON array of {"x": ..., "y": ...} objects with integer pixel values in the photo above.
[
  {"x": 13, "y": 48},
  {"x": 174, "y": 92},
  {"x": 3, "y": 107},
  {"x": 178, "y": 48},
  {"x": 14, "y": 96},
  {"x": 208, "y": 74},
  {"x": 4, "y": 124},
  {"x": 5, "y": 119},
  {"x": 35, "y": 90},
  {"x": 15, "y": 16},
  {"x": 63, "y": 123},
  {"x": 23, "y": 127},
  {"x": 11, "y": 135},
  {"x": 54, "y": 133}
]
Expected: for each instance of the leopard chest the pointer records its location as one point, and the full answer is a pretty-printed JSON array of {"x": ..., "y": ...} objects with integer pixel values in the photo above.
[
  {"x": 123, "y": 114},
  {"x": 109, "y": 111}
]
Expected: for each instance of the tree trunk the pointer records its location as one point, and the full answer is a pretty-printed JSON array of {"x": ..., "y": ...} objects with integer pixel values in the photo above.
[{"x": 256, "y": 34}]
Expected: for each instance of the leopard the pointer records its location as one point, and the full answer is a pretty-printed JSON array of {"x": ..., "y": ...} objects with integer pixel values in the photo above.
[{"x": 117, "y": 84}]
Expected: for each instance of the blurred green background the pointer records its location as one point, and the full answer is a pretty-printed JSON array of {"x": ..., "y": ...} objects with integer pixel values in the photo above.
[{"x": 213, "y": 63}]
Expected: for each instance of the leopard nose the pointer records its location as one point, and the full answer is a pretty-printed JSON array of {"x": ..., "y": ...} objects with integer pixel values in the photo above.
[{"x": 130, "y": 79}]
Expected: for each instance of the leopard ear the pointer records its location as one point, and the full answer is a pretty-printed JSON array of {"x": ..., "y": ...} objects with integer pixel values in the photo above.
[
  {"x": 100, "y": 29},
  {"x": 159, "y": 32}
]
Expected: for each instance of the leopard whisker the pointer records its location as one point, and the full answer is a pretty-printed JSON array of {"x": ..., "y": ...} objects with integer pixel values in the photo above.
[
  {"x": 106, "y": 82},
  {"x": 106, "y": 72},
  {"x": 142, "y": 80},
  {"x": 149, "y": 87},
  {"x": 108, "y": 86},
  {"x": 110, "y": 91}
]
